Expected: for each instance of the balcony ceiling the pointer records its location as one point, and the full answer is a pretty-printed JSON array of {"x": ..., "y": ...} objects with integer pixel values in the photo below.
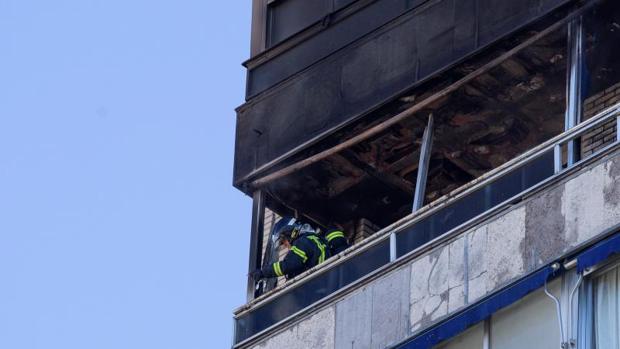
[{"x": 480, "y": 126}]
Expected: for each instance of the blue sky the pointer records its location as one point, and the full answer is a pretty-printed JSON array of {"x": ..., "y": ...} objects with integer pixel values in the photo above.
[{"x": 119, "y": 226}]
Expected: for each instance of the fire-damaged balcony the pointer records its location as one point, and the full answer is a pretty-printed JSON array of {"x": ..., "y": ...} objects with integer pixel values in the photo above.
[
  {"x": 438, "y": 158},
  {"x": 485, "y": 112},
  {"x": 497, "y": 111},
  {"x": 318, "y": 85}
]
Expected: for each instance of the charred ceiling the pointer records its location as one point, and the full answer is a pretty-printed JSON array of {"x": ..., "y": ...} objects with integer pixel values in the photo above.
[{"x": 479, "y": 126}]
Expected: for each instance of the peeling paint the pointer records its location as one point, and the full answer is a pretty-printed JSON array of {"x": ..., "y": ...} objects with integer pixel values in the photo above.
[
  {"x": 583, "y": 205},
  {"x": 544, "y": 228},
  {"x": 611, "y": 191},
  {"x": 506, "y": 236}
]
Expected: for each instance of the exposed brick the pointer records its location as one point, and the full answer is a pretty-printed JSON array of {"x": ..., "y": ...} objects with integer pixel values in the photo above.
[
  {"x": 606, "y": 97},
  {"x": 604, "y": 134},
  {"x": 608, "y": 132},
  {"x": 597, "y": 144},
  {"x": 611, "y": 125}
]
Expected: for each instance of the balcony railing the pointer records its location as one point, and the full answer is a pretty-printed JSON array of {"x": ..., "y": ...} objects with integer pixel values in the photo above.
[{"x": 416, "y": 233}]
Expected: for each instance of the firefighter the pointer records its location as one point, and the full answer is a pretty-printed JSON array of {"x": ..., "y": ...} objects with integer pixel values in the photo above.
[
  {"x": 336, "y": 241},
  {"x": 306, "y": 249}
]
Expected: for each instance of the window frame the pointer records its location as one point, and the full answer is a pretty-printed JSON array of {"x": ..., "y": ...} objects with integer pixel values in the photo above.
[{"x": 585, "y": 322}]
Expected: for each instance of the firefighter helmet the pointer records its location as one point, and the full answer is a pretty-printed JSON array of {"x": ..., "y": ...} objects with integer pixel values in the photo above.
[{"x": 288, "y": 228}]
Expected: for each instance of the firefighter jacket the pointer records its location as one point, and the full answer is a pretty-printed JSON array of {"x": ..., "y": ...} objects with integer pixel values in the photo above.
[
  {"x": 336, "y": 241},
  {"x": 306, "y": 252}
]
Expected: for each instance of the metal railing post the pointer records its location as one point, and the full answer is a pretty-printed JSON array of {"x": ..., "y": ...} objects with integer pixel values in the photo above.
[
  {"x": 617, "y": 126},
  {"x": 392, "y": 247},
  {"x": 573, "y": 95},
  {"x": 256, "y": 240},
  {"x": 557, "y": 158}
]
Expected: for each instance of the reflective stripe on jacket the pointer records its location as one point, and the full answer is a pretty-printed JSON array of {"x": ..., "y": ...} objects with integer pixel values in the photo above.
[
  {"x": 336, "y": 241},
  {"x": 306, "y": 252}
]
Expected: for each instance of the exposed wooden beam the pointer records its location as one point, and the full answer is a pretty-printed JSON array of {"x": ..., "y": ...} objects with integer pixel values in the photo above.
[
  {"x": 385, "y": 177},
  {"x": 464, "y": 164},
  {"x": 344, "y": 182},
  {"x": 408, "y": 169},
  {"x": 515, "y": 68},
  {"x": 411, "y": 159}
]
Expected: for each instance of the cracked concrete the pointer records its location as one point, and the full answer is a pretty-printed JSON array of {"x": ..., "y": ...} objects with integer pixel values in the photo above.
[
  {"x": 544, "y": 214},
  {"x": 531, "y": 234},
  {"x": 437, "y": 280},
  {"x": 456, "y": 270},
  {"x": 438, "y": 283},
  {"x": 476, "y": 264},
  {"x": 505, "y": 248},
  {"x": 429, "y": 287}
]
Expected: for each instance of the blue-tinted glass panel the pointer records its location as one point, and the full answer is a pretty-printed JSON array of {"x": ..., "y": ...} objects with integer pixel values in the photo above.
[{"x": 474, "y": 204}]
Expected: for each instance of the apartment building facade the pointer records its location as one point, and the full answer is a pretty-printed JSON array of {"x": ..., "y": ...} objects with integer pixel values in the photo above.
[{"x": 468, "y": 148}]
